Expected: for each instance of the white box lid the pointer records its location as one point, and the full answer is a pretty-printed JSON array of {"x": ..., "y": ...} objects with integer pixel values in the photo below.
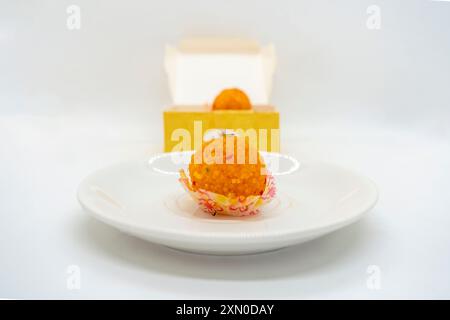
[{"x": 199, "y": 68}]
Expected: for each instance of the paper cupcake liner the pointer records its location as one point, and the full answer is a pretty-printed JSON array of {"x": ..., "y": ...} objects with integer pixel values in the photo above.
[{"x": 214, "y": 203}]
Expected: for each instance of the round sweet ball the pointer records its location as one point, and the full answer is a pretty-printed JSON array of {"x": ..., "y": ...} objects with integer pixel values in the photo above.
[
  {"x": 232, "y": 99},
  {"x": 229, "y": 171}
]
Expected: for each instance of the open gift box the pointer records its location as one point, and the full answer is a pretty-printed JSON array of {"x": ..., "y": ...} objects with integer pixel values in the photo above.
[{"x": 198, "y": 70}]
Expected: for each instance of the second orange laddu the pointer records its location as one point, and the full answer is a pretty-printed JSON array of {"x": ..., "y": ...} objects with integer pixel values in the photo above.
[{"x": 232, "y": 99}]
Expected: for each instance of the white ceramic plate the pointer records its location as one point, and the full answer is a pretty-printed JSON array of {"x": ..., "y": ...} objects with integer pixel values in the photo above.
[{"x": 145, "y": 199}]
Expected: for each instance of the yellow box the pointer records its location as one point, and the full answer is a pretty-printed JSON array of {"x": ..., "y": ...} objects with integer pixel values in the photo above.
[
  {"x": 198, "y": 70},
  {"x": 185, "y": 123}
]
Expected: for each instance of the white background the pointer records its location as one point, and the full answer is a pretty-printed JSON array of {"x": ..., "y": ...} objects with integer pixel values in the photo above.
[{"x": 376, "y": 101}]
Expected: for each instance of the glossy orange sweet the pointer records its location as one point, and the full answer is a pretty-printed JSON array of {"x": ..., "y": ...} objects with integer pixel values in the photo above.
[
  {"x": 235, "y": 176},
  {"x": 232, "y": 99}
]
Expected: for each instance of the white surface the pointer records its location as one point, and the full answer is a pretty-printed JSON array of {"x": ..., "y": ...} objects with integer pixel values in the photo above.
[
  {"x": 374, "y": 101},
  {"x": 310, "y": 203}
]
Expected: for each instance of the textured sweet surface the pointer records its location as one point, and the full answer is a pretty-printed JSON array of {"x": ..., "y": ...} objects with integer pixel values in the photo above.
[
  {"x": 222, "y": 168},
  {"x": 232, "y": 99}
]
